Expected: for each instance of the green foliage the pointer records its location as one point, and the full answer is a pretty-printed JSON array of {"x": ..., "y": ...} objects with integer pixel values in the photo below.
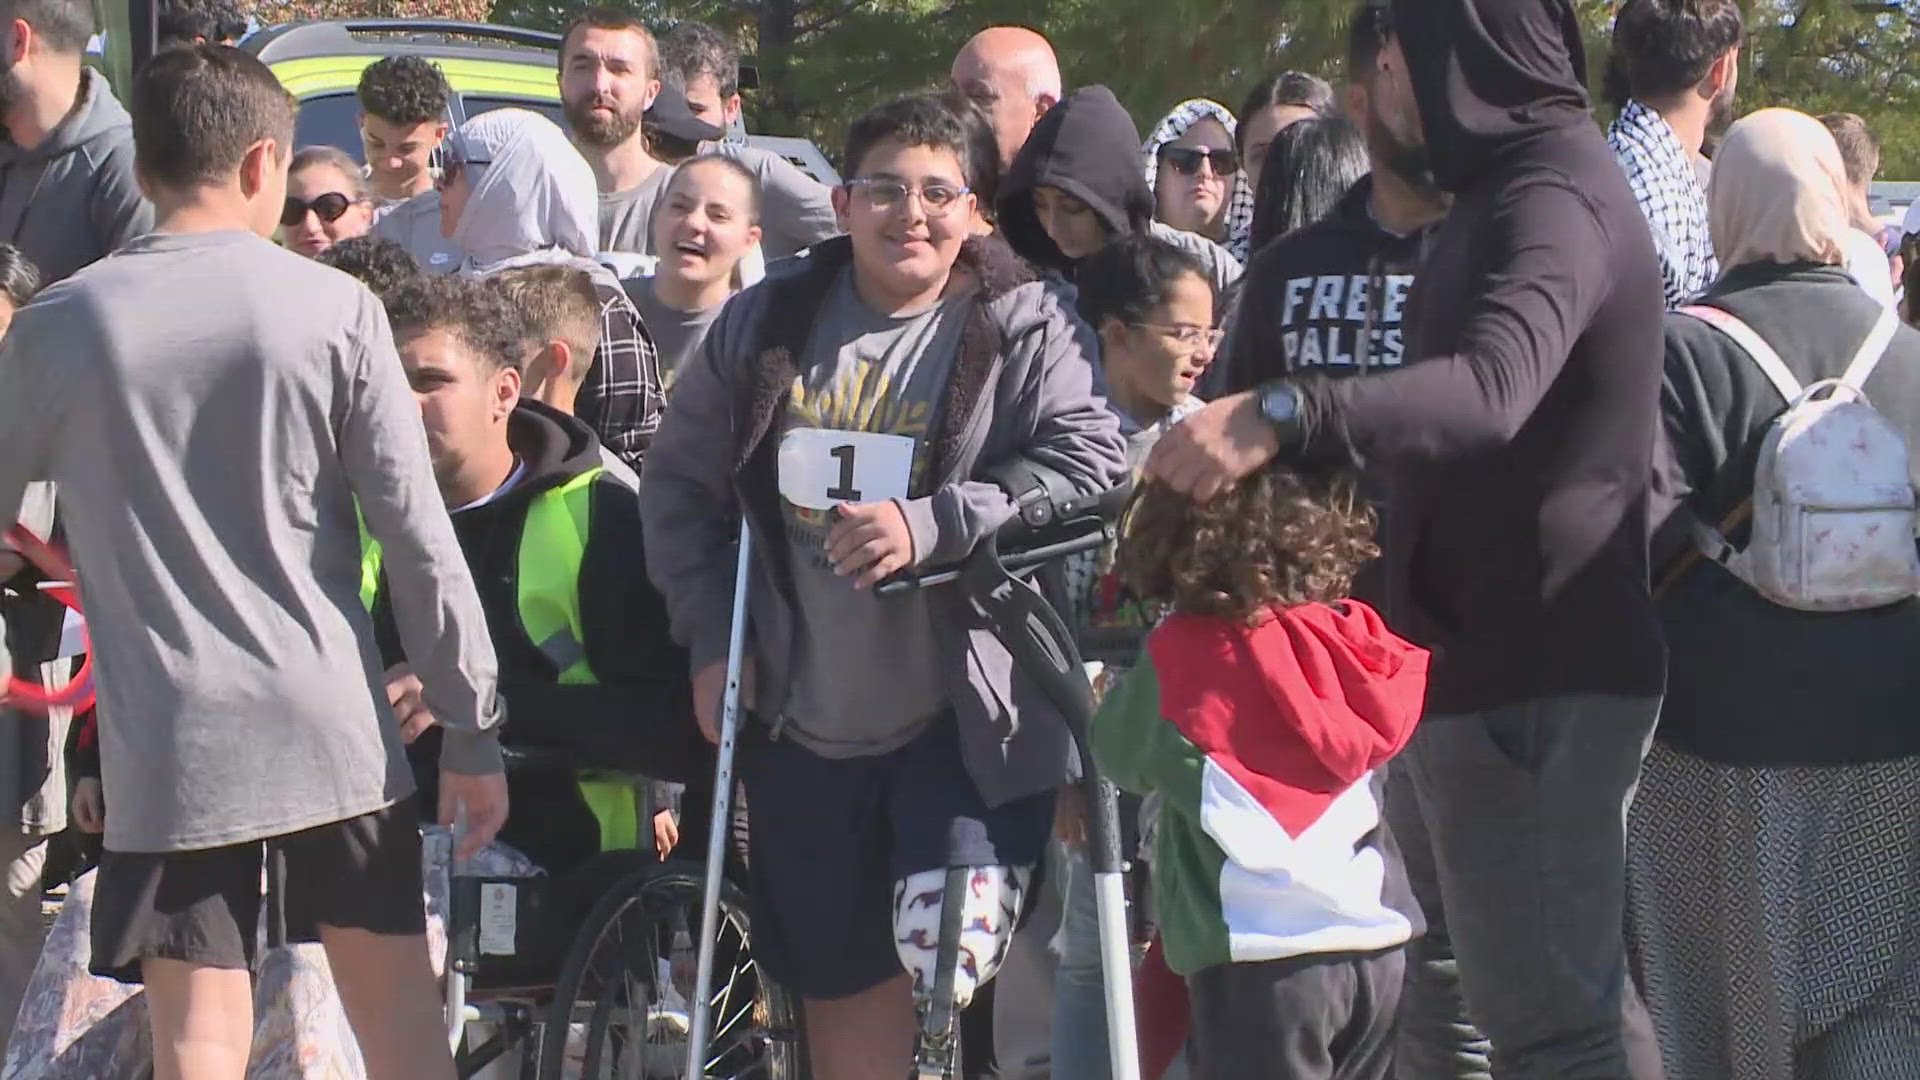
[{"x": 824, "y": 61}]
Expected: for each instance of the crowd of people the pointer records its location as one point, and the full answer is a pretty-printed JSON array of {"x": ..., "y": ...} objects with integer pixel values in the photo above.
[{"x": 1503, "y": 650}]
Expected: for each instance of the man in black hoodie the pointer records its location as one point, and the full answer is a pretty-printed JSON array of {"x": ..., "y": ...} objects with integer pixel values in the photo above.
[
  {"x": 1076, "y": 184},
  {"x": 1333, "y": 295},
  {"x": 553, "y": 538},
  {"x": 1517, "y": 441}
]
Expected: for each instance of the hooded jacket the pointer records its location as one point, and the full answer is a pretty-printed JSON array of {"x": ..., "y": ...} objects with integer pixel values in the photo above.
[
  {"x": 1021, "y": 385},
  {"x": 1264, "y": 742},
  {"x": 638, "y": 714},
  {"x": 1331, "y": 297},
  {"x": 73, "y": 198},
  {"x": 1518, "y": 438},
  {"x": 1086, "y": 147}
]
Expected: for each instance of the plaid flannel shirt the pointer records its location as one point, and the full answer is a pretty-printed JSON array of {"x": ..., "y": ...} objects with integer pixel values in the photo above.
[
  {"x": 1668, "y": 189},
  {"x": 623, "y": 394}
]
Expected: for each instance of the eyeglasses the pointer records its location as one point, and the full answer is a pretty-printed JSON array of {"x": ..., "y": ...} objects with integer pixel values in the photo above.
[
  {"x": 328, "y": 207},
  {"x": 1186, "y": 160},
  {"x": 1193, "y": 337},
  {"x": 885, "y": 195}
]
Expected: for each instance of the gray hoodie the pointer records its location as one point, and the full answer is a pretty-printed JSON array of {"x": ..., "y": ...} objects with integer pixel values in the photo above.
[
  {"x": 1023, "y": 385},
  {"x": 73, "y": 198}
]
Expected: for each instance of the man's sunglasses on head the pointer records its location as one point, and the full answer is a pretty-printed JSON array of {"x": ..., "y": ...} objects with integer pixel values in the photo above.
[{"x": 1186, "y": 160}]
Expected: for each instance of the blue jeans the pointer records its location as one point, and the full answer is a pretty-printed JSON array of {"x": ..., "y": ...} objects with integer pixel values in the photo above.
[{"x": 1079, "y": 994}]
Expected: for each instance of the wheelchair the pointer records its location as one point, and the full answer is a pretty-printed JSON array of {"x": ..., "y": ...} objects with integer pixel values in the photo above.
[{"x": 591, "y": 974}]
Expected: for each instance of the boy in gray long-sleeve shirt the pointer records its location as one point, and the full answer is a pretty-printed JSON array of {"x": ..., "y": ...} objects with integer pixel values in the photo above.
[{"x": 214, "y": 408}]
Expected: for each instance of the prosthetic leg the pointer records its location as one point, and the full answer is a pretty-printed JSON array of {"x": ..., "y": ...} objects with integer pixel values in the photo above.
[{"x": 953, "y": 929}]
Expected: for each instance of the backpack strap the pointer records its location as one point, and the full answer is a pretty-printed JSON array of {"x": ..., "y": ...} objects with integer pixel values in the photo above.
[
  {"x": 1871, "y": 350},
  {"x": 1753, "y": 345}
]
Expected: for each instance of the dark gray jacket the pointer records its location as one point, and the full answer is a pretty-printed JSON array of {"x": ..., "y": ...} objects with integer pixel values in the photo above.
[
  {"x": 1023, "y": 384},
  {"x": 1750, "y": 682},
  {"x": 73, "y": 198}
]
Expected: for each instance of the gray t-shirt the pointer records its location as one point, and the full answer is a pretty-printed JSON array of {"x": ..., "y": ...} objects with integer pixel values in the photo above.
[
  {"x": 626, "y": 217},
  {"x": 414, "y": 224},
  {"x": 677, "y": 334},
  {"x": 213, "y": 408},
  {"x": 867, "y": 674},
  {"x": 796, "y": 211}
]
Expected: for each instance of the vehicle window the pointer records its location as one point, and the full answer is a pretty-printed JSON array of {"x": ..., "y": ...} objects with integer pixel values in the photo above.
[
  {"x": 477, "y": 104},
  {"x": 333, "y": 119},
  {"x": 329, "y": 120}
]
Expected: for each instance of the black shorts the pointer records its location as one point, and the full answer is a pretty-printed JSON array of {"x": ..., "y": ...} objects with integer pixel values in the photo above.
[
  {"x": 828, "y": 837},
  {"x": 203, "y": 907}
]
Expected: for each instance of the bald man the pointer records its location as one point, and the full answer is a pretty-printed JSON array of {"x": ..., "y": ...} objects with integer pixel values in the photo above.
[{"x": 1012, "y": 73}]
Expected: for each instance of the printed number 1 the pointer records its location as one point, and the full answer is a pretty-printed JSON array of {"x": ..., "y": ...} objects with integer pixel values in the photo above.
[{"x": 844, "y": 491}]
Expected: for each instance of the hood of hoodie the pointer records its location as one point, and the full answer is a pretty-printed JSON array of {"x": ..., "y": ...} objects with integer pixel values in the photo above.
[
  {"x": 96, "y": 115},
  {"x": 1491, "y": 76},
  {"x": 1085, "y": 146},
  {"x": 552, "y": 447},
  {"x": 1298, "y": 707}
]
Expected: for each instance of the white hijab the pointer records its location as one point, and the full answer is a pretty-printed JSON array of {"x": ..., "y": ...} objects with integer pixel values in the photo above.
[{"x": 533, "y": 197}]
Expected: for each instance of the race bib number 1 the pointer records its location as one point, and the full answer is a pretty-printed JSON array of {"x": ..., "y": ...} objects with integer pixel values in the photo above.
[{"x": 821, "y": 468}]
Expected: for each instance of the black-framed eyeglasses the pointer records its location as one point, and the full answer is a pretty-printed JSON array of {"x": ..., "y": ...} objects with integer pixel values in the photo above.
[
  {"x": 1186, "y": 160},
  {"x": 885, "y": 194},
  {"x": 327, "y": 208}
]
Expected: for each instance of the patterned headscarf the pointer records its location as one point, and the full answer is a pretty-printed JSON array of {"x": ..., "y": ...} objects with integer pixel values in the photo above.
[{"x": 1239, "y": 192}]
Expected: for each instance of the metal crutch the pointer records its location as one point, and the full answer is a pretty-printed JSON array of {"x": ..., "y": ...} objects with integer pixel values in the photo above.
[
  {"x": 699, "y": 1028},
  {"x": 1044, "y": 648}
]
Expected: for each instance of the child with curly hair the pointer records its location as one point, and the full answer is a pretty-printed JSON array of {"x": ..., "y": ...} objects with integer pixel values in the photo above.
[{"x": 1261, "y": 714}]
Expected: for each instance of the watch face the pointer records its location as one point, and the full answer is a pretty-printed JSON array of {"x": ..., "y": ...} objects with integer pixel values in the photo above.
[{"x": 1279, "y": 404}]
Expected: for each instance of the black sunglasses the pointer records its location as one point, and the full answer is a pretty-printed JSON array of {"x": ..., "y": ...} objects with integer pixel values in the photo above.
[
  {"x": 329, "y": 207},
  {"x": 1186, "y": 160}
]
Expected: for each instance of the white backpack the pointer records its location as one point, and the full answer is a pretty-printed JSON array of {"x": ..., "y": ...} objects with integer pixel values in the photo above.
[{"x": 1833, "y": 507}]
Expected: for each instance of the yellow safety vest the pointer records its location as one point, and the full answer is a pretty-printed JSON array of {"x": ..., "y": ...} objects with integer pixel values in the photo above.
[{"x": 553, "y": 543}]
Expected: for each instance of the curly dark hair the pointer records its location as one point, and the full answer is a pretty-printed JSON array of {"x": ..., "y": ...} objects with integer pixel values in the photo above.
[
  {"x": 1277, "y": 538},
  {"x": 478, "y": 314},
  {"x": 380, "y": 264},
  {"x": 403, "y": 90}
]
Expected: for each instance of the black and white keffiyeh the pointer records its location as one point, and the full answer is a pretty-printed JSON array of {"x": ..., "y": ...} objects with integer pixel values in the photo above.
[
  {"x": 1668, "y": 189},
  {"x": 1240, "y": 195}
]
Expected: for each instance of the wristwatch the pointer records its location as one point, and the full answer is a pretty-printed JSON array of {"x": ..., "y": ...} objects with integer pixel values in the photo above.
[{"x": 1280, "y": 404}]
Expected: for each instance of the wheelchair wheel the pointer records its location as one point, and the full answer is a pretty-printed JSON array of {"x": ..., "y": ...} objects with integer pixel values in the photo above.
[{"x": 623, "y": 1004}]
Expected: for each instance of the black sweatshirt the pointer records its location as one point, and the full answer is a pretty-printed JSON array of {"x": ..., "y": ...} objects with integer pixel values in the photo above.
[
  {"x": 640, "y": 714},
  {"x": 1330, "y": 296},
  {"x": 1517, "y": 440},
  {"x": 1751, "y": 682}
]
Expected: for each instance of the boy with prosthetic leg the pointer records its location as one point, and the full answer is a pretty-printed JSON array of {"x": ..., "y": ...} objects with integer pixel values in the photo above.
[{"x": 850, "y": 410}]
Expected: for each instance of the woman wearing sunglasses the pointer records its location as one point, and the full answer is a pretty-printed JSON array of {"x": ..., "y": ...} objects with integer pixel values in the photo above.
[
  {"x": 1194, "y": 170},
  {"x": 326, "y": 201}
]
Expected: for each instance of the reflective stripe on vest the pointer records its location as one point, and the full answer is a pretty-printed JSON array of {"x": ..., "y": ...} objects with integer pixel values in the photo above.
[{"x": 553, "y": 544}]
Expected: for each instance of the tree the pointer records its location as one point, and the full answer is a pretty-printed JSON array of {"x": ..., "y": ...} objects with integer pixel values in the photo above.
[{"x": 822, "y": 62}]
